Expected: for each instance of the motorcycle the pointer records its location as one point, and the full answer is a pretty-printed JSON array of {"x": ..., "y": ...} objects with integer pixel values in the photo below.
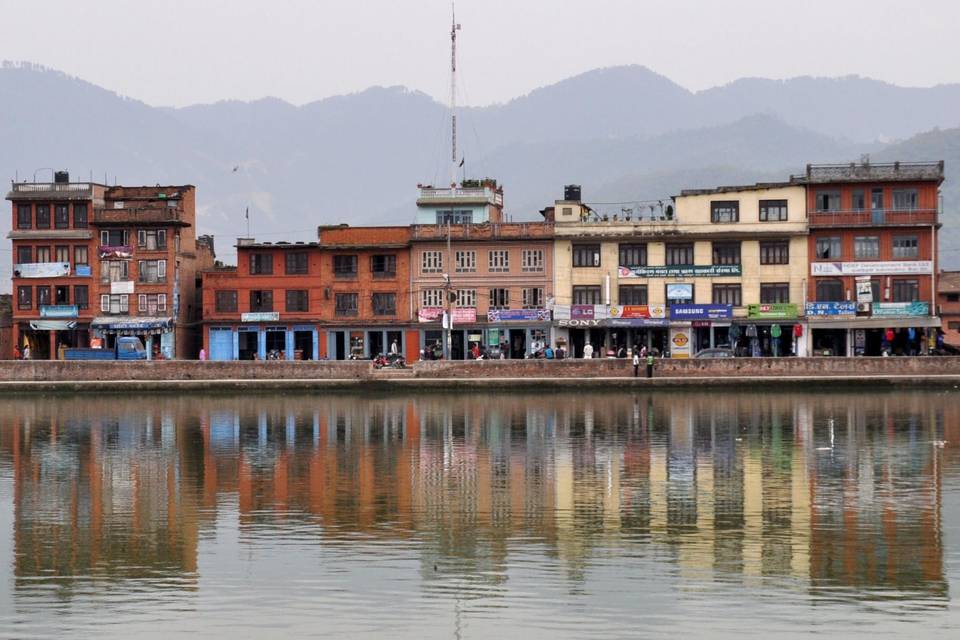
[{"x": 394, "y": 361}]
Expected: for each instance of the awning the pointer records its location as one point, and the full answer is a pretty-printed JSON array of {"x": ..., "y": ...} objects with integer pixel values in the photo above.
[
  {"x": 916, "y": 322},
  {"x": 53, "y": 325},
  {"x": 132, "y": 325}
]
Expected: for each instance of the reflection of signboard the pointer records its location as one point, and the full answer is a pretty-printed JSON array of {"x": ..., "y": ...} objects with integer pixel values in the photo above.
[
  {"x": 41, "y": 269},
  {"x": 831, "y": 308},
  {"x": 262, "y": 316},
  {"x": 679, "y": 343},
  {"x": 514, "y": 315},
  {"x": 875, "y": 268},
  {"x": 700, "y": 311},
  {"x": 58, "y": 311},
  {"x": 705, "y": 271},
  {"x": 773, "y": 310},
  {"x": 902, "y": 309},
  {"x": 680, "y": 291},
  {"x": 121, "y": 286}
]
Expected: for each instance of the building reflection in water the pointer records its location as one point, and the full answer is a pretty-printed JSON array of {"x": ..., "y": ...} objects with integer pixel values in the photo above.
[{"x": 833, "y": 490}]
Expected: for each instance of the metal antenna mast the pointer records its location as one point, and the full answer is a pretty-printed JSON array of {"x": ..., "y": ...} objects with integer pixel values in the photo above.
[{"x": 454, "y": 27}]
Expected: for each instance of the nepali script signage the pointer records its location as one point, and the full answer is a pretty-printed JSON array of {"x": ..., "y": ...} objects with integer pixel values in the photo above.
[
  {"x": 640, "y": 311},
  {"x": 59, "y": 311},
  {"x": 512, "y": 315},
  {"x": 461, "y": 315},
  {"x": 772, "y": 310},
  {"x": 694, "y": 271},
  {"x": 872, "y": 268},
  {"x": 41, "y": 269},
  {"x": 701, "y": 311},
  {"x": 262, "y": 316},
  {"x": 900, "y": 309},
  {"x": 834, "y": 309}
]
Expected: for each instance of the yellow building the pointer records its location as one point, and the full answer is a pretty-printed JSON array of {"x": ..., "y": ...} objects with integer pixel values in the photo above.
[{"x": 712, "y": 267}]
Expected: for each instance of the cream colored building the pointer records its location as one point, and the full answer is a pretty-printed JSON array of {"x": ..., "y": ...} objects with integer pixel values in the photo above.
[{"x": 728, "y": 248}]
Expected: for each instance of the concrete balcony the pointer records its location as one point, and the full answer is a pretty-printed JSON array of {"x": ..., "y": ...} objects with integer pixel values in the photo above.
[
  {"x": 873, "y": 218},
  {"x": 459, "y": 195}
]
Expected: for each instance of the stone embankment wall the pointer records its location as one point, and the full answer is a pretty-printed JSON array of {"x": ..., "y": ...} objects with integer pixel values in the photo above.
[{"x": 72, "y": 371}]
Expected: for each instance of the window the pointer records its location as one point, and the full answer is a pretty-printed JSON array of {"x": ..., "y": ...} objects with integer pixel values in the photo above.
[
  {"x": 533, "y": 298},
  {"x": 866, "y": 247},
  {"x": 113, "y": 238},
  {"x": 80, "y": 256},
  {"x": 876, "y": 199},
  {"x": 586, "y": 255},
  {"x": 384, "y": 304},
  {"x": 466, "y": 298},
  {"x": 466, "y": 261},
  {"x": 114, "y": 271},
  {"x": 903, "y": 290},
  {"x": 296, "y": 263},
  {"x": 499, "y": 298},
  {"x": 875, "y": 285},
  {"x": 531, "y": 260},
  {"x": 953, "y": 297},
  {"x": 830, "y": 291},
  {"x": 774, "y": 293},
  {"x": 345, "y": 266},
  {"x": 454, "y": 216},
  {"x": 152, "y": 239},
  {"x": 775, "y": 252},
  {"x": 43, "y": 296},
  {"x": 153, "y": 270},
  {"x": 346, "y": 304},
  {"x": 43, "y": 216},
  {"x": 150, "y": 304},
  {"x": 81, "y": 296},
  {"x": 63, "y": 253},
  {"x": 24, "y": 217},
  {"x": 633, "y": 255},
  {"x": 632, "y": 294},
  {"x": 298, "y": 300},
  {"x": 384, "y": 266},
  {"x": 828, "y": 200},
  {"x": 828, "y": 248},
  {"x": 115, "y": 303},
  {"x": 725, "y": 211},
  {"x": 261, "y": 301},
  {"x": 261, "y": 264},
  {"x": 953, "y": 326},
  {"x": 906, "y": 247},
  {"x": 225, "y": 301},
  {"x": 61, "y": 216},
  {"x": 904, "y": 199},
  {"x": 431, "y": 298},
  {"x": 586, "y": 295},
  {"x": 773, "y": 211},
  {"x": 24, "y": 297},
  {"x": 679, "y": 254},
  {"x": 43, "y": 254},
  {"x": 726, "y": 253},
  {"x": 858, "y": 201},
  {"x": 61, "y": 294},
  {"x": 24, "y": 255},
  {"x": 79, "y": 216},
  {"x": 726, "y": 294},
  {"x": 431, "y": 262},
  {"x": 498, "y": 261}
]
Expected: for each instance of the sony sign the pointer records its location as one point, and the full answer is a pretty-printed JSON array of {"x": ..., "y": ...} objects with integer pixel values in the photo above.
[{"x": 578, "y": 323}]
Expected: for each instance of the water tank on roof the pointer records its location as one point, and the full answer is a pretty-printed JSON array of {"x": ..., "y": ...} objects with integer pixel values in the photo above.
[
  {"x": 61, "y": 177},
  {"x": 571, "y": 193}
]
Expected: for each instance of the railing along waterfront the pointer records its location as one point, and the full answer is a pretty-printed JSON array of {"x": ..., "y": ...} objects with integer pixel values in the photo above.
[{"x": 871, "y": 217}]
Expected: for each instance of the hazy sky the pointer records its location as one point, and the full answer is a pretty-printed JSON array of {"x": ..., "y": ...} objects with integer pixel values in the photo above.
[{"x": 177, "y": 52}]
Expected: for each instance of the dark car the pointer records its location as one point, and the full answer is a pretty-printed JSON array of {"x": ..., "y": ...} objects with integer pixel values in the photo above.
[{"x": 715, "y": 353}]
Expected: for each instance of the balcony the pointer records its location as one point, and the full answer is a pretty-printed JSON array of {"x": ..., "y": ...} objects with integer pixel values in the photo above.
[
  {"x": 873, "y": 218},
  {"x": 461, "y": 195}
]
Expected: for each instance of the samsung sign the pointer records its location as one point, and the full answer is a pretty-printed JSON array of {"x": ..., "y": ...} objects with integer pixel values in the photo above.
[{"x": 701, "y": 311}]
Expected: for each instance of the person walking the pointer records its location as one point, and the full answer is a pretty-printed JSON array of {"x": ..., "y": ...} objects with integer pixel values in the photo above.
[
  {"x": 636, "y": 364},
  {"x": 203, "y": 354},
  {"x": 394, "y": 348},
  {"x": 26, "y": 351},
  {"x": 650, "y": 364},
  {"x": 587, "y": 351}
]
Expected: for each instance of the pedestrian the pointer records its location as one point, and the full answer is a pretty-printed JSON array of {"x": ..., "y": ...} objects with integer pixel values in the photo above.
[
  {"x": 203, "y": 354},
  {"x": 26, "y": 351},
  {"x": 636, "y": 364},
  {"x": 394, "y": 347},
  {"x": 643, "y": 351},
  {"x": 548, "y": 353},
  {"x": 587, "y": 351},
  {"x": 650, "y": 365},
  {"x": 561, "y": 353},
  {"x": 17, "y": 353},
  {"x": 475, "y": 351}
]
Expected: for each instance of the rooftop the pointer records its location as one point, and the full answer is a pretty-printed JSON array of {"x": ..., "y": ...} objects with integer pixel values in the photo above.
[
  {"x": 948, "y": 282},
  {"x": 871, "y": 172},
  {"x": 759, "y": 186},
  {"x": 485, "y": 231},
  {"x": 54, "y": 190}
]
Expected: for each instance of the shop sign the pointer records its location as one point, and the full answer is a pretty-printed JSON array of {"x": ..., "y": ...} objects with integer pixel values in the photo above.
[
  {"x": 693, "y": 271},
  {"x": 83, "y": 270},
  {"x": 59, "y": 311},
  {"x": 462, "y": 315},
  {"x": 638, "y": 311},
  {"x": 873, "y": 268},
  {"x": 582, "y": 312},
  {"x": 680, "y": 291},
  {"x": 700, "y": 311},
  {"x": 679, "y": 343},
  {"x": 636, "y": 322},
  {"x": 831, "y": 308},
  {"x": 514, "y": 315},
  {"x": 115, "y": 253},
  {"x": 773, "y": 310},
  {"x": 578, "y": 323},
  {"x": 121, "y": 286},
  {"x": 261, "y": 316},
  {"x": 474, "y": 337},
  {"x": 41, "y": 269},
  {"x": 429, "y": 314},
  {"x": 901, "y": 309},
  {"x": 561, "y": 312},
  {"x": 864, "y": 289}
]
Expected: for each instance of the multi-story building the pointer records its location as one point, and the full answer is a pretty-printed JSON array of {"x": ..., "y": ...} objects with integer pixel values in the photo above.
[
  {"x": 948, "y": 306},
  {"x": 873, "y": 256},
  {"x": 492, "y": 279},
  {"x": 715, "y": 267},
  {"x": 92, "y": 262},
  {"x": 342, "y": 297}
]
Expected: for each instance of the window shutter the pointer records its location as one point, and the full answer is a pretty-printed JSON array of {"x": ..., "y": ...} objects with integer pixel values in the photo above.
[
  {"x": 141, "y": 238},
  {"x": 161, "y": 239},
  {"x": 162, "y": 302},
  {"x": 161, "y": 269}
]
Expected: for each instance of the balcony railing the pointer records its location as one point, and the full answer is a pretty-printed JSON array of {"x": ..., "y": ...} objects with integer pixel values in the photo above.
[
  {"x": 872, "y": 217},
  {"x": 486, "y": 194},
  {"x": 71, "y": 188}
]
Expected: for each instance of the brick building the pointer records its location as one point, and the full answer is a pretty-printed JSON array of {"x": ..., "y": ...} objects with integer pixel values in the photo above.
[
  {"x": 344, "y": 296},
  {"x": 6, "y": 326},
  {"x": 948, "y": 303},
  {"x": 873, "y": 256}
]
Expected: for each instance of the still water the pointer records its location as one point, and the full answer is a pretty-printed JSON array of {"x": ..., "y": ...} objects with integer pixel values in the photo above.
[{"x": 450, "y": 516}]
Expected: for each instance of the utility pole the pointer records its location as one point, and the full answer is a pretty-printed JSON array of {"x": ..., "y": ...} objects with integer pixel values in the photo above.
[{"x": 454, "y": 27}]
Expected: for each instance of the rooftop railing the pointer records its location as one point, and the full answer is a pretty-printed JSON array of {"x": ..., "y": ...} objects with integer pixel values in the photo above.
[{"x": 488, "y": 231}]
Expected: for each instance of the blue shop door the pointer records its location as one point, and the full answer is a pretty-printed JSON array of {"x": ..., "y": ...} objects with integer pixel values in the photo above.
[{"x": 221, "y": 344}]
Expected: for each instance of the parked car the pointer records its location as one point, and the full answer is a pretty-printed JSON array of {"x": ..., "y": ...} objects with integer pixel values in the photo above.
[
  {"x": 126, "y": 348},
  {"x": 715, "y": 353}
]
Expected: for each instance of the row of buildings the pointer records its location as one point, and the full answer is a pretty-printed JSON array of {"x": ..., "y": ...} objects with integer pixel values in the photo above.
[{"x": 840, "y": 260}]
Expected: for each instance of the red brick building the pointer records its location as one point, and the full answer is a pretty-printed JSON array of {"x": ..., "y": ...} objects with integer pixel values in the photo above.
[
  {"x": 344, "y": 296},
  {"x": 948, "y": 301},
  {"x": 873, "y": 256}
]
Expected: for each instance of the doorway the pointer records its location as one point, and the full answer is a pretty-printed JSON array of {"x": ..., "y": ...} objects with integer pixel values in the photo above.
[
  {"x": 303, "y": 345},
  {"x": 247, "y": 341},
  {"x": 518, "y": 343}
]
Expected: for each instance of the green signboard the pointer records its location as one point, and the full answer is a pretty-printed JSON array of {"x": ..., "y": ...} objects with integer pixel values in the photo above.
[
  {"x": 773, "y": 310},
  {"x": 691, "y": 271},
  {"x": 900, "y": 309}
]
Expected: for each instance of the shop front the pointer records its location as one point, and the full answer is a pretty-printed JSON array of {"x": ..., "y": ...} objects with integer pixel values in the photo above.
[
  {"x": 506, "y": 333},
  {"x": 777, "y": 328},
  {"x": 365, "y": 343},
  {"x": 57, "y": 328},
  {"x": 695, "y": 327},
  {"x": 878, "y": 329},
  {"x": 610, "y": 329},
  {"x": 157, "y": 333},
  {"x": 262, "y": 337}
]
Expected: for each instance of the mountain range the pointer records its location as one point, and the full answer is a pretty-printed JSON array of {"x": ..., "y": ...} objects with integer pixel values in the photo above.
[{"x": 626, "y": 134}]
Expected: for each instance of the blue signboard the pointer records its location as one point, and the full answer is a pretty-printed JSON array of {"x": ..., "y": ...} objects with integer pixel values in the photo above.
[
  {"x": 82, "y": 270},
  {"x": 701, "y": 311},
  {"x": 831, "y": 308},
  {"x": 59, "y": 311},
  {"x": 509, "y": 315}
]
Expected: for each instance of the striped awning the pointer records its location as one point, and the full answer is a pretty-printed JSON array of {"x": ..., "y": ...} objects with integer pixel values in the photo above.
[{"x": 53, "y": 325}]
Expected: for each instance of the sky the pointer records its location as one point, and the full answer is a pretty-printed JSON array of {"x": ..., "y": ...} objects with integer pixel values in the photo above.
[{"x": 180, "y": 52}]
